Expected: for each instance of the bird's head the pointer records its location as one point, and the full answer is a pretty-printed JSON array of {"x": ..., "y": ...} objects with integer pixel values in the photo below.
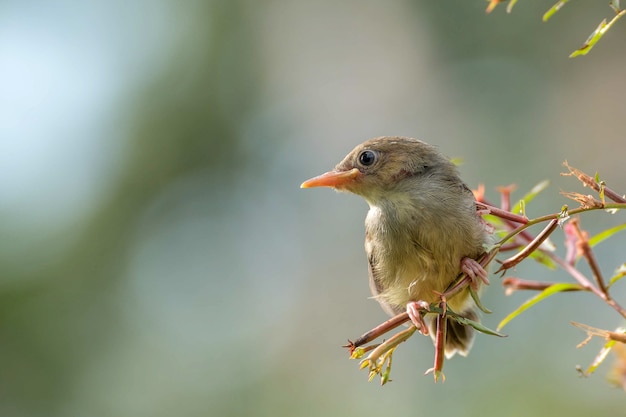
[{"x": 381, "y": 166}]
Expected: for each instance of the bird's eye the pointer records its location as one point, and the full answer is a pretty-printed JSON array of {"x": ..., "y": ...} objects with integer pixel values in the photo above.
[{"x": 367, "y": 158}]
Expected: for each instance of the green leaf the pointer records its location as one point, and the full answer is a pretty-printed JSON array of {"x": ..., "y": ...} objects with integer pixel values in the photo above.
[
  {"x": 591, "y": 40},
  {"x": 547, "y": 15},
  {"x": 602, "y": 187},
  {"x": 476, "y": 325},
  {"x": 494, "y": 220},
  {"x": 457, "y": 161},
  {"x": 543, "y": 259},
  {"x": 564, "y": 215},
  {"x": 619, "y": 274},
  {"x": 530, "y": 195},
  {"x": 597, "y": 361},
  {"x": 551, "y": 290},
  {"x": 509, "y": 7},
  {"x": 596, "y": 35},
  {"x": 606, "y": 234},
  {"x": 477, "y": 301},
  {"x": 434, "y": 308}
]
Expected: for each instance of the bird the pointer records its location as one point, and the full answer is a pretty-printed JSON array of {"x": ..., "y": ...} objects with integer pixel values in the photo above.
[{"x": 422, "y": 230}]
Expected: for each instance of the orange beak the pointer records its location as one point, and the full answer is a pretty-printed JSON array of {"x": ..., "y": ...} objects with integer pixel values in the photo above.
[{"x": 334, "y": 179}]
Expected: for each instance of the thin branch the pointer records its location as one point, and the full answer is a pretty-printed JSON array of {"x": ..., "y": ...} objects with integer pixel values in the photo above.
[
  {"x": 512, "y": 284},
  {"x": 582, "y": 280},
  {"x": 524, "y": 253},
  {"x": 587, "y": 253},
  {"x": 378, "y": 331},
  {"x": 503, "y": 214},
  {"x": 440, "y": 342}
]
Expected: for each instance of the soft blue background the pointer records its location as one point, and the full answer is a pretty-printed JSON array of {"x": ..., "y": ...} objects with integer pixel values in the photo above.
[{"x": 158, "y": 258}]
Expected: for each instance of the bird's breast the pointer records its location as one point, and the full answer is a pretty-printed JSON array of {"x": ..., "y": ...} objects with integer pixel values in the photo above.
[
  {"x": 401, "y": 268},
  {"x": 410, "y": 258}
]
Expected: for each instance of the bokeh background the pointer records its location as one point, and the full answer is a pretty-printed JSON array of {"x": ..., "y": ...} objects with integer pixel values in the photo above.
[{"x": 158, "y": 258}]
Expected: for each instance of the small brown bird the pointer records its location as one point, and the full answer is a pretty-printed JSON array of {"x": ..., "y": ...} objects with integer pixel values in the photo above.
[{"x": 422, "y": 229}]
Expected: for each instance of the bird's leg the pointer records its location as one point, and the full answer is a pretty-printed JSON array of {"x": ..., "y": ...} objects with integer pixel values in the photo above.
[
  {"x": 414, "y": 309},
  {"x": 474, "y": 271}
]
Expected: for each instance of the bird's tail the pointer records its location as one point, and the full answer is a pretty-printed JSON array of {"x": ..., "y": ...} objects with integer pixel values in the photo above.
[{"x": 459, "y": 338}]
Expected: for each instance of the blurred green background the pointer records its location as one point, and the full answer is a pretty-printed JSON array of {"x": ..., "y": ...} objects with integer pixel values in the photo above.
[{"x": 158, "y": 258}]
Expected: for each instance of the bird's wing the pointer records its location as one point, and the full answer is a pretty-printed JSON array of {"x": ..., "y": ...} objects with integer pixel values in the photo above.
[{"x": 375, "y": 284}]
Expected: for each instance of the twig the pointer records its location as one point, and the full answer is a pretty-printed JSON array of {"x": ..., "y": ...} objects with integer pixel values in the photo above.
[
  {"x": 378, "y": 331},
  {"x": 605, "y": 334},
  {"x": 503, "y": 214},
  {"x": 524, "y": 253},
  {"x": 440, "y": 343},
  {"x": 516, "y": 284},
  {"x": 590, "y": 182},
  {"x": 587, "y": 253},
  {"x": 582, "y": 280},
  {"x": 562, "y": 214}
]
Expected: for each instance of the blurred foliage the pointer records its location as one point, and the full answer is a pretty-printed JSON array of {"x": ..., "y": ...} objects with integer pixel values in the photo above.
[
  {"x": 595, "y": 36},
  {"x": 67, "y": 314}
]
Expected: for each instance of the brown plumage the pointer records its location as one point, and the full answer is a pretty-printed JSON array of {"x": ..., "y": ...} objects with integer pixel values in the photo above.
[{"x": 421, "y": 230}]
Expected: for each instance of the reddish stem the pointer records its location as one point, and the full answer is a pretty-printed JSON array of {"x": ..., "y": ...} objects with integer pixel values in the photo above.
[
  {"x": 379, "y": 330},
  {"x": 532, "y": 246}
]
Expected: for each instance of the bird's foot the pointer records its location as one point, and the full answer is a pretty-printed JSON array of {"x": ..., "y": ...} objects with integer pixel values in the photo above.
[
  {"x": 475, "y": 271},
  {"x": 414, "y": 309},
  {"x": 482, "y": 211}
]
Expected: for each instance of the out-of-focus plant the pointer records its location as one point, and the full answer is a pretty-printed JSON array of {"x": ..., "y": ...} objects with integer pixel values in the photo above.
[{"x": 595, "y": 36}]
